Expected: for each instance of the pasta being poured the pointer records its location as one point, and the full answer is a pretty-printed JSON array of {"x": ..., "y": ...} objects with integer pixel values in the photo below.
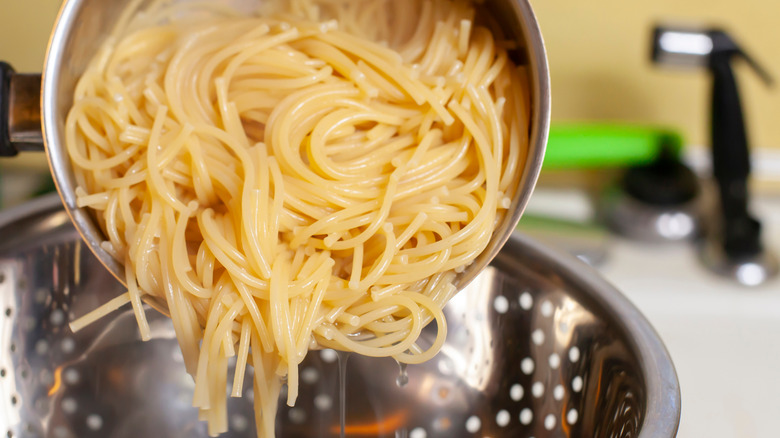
[{"x": 313, "y": 175}]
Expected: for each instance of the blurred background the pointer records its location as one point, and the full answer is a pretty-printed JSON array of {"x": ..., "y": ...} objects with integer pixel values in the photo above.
[
  {"x": 602, "y": 77},
  {"x": 599, "y": 52}
]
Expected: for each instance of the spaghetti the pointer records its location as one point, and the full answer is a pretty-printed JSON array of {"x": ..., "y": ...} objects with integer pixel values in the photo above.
[{"x": 313, "y": 175}]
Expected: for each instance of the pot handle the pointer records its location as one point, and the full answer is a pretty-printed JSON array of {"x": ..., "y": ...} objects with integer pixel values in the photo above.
[{"x": 20, "y": 112}]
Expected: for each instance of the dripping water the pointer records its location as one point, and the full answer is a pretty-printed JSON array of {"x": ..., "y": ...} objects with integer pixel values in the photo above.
[
  {"x": 402, "y": 380},
  {"x": 403, "y": 377},
  {"x": 343, "y": 356}
]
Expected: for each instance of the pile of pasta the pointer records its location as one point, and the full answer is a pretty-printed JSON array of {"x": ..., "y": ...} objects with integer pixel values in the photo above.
[{"x": 313, "y": 175}]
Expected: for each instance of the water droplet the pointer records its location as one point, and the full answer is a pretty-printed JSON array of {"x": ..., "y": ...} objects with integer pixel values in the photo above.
[{"x": 403, "y": 377}]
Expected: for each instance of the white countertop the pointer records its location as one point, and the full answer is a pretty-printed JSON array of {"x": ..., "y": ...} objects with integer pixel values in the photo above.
[{"x": 723, "y": 338}]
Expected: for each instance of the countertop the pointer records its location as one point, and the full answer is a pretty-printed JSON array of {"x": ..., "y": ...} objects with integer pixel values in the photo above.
[{"x": 724, "y": 338}]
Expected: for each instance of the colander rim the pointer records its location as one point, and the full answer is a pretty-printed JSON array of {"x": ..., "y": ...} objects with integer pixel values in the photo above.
[{"x": 663, "y": 408}]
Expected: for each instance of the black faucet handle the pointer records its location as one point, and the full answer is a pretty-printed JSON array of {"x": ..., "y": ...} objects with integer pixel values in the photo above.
[{"x": 723, "y": 43}]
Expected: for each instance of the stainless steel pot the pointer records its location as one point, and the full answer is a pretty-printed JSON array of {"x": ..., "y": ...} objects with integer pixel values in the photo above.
[{"x": 81, "y": 27}]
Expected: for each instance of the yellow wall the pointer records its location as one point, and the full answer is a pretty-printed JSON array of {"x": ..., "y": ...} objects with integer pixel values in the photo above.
[
  {"x": 25, "y": 26},
  {"x": 599, "y": 60},
  {"x": 598, "y": 52}
]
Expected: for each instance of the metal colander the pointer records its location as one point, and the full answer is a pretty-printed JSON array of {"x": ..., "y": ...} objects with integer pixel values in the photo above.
[{"x": 538, "y": 346}]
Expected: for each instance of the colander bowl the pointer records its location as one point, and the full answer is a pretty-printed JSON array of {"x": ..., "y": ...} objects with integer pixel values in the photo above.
[{"x": 538, "y": 346}]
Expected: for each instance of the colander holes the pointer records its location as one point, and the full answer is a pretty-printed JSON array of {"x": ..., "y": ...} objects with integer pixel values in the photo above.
[
  {"x": 323, "y": 402},
  {"x": 418, "y": 432},
  {"x": 13, "y": 347},
  {"x": 10, "y": 434},
  {"x": 473, "y": 424},
  {"x": 563, "y": 326},
  {"x": 537, "y": 389},
  {"x": 329, "y": 356},
  {"x": 41, "y": 347},
  {"x": 68, "y": 345},
  {"x": 516, "y": 392},
  {"x": 57, "y": 317},
  {"x": 94, "y": 421},
  {"x": 2, "y": 372},
  {"x": 554, "y": 361},
  {"x": 527, "y": 365},
  {"x": 297, "y": 415},
  {"x": 310, "y": 375},
  {"x": 576, "y": 384},
  {"x": 41, "y": 295},
  {"x": 501, "y": 304},
  {"x": 550, "y": 421},
  {"x": 558, "y": 392},
  {"x": 526, "y": 416},
  {"x": 71, "y": 376},
  {"x": 61, "y": 432},
  {"x": 29, "y": 324},
  {"x": 442, "y": 424},
  {"x": 572, "y": 416},
  {"x": 502, "y": 418},
  {"x": 547, "y": 309},
  {"x": 537, "y": 337},
  {"x": 574, "y": 354},
  {"x": 2, "y": 277},
  {"x": 239, "y": 423},
  {"x": 526, "y": 301},
  {"x": 8, "y": 312},
  {"x": 14, "y": 400},
  {"x": 69, "y": 405},
  {"x": 446, "y": 367},
  {"x": 25, "y": 374}
]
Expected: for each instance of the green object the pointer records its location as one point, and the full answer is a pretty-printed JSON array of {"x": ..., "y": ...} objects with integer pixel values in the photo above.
[{"x": 578, "y": 146}]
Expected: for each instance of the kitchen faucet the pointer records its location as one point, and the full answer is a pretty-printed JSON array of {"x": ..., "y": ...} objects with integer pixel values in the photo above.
[{"x": 732, "y": 244}]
